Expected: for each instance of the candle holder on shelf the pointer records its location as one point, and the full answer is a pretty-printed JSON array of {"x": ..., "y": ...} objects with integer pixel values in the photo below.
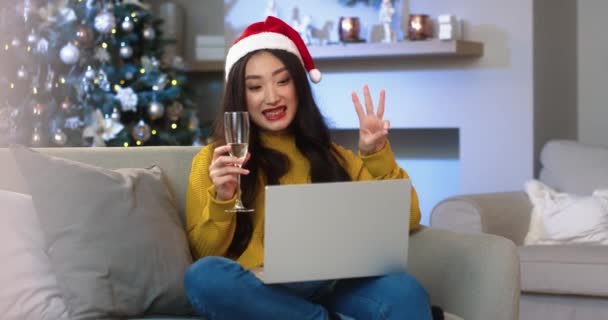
[
  {"x": 349, "y": 29},
  {"x": 419, "y": 27}
]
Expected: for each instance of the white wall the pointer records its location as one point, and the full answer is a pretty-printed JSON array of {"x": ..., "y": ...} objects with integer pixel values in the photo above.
[
  {"x": 592, "y": 72},
  {"x": 488, "y": 100}
]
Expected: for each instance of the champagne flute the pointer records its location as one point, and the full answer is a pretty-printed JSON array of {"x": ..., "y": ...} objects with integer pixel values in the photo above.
[{"x": 236, "y": 130}]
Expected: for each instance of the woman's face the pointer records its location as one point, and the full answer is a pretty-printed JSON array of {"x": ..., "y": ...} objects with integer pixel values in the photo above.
[{"x": 270, "y": 93}]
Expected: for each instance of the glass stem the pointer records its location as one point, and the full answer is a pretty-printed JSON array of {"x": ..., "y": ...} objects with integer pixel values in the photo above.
[{"x": 239, "y": 203}]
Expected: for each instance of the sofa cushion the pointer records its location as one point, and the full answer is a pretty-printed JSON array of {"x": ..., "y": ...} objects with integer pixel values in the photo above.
[
  {"x": 562, "y": 218},
  {"x": 573, "y": 167},
  {"x": 29, "y": 287},
  {"x": 113, "y": 237},
  {"x": 565, "y": 269}
]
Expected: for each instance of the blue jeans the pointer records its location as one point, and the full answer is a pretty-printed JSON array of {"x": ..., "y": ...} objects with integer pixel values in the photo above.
[{"x": 219, "y": 288}]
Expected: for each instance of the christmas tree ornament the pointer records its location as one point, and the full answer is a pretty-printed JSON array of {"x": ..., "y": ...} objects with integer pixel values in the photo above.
[
  {"x": 50, "y": 79},
  {"x": 42, "y": 46},
  {"x": 66, "y": 105},
  {"x": 22, "y": 73},
  {"x": 16, "y": 42},
  {"x": 38, "y": 108},
  {"x": 60, "y": 138},
  {"x": 89, "y": 73},
  {"x": 115, "y": 115},
  {"x": 67, "y": 15},
  {"x": 126, "y": 51},
  {"x": 141, "y": 131},
  {"x": 25, "y": 10},
  {"x": 162, "y": 82},
  {"x": 102, "y": 81},
  {"x": 111, "y": 129},
  {"x": 104, "y": 22},
  {"x": 69, "y": 54},
  {"x": 32, "y": 38},
  {"x": 175, "y": 111},
  {"x": 149, "y": 33},
  {"x": 72, "y": 123},
  {"x": 156, "y": 110},
  {"x": 128, "y": 98},
  {"x": 36, "y": 139},
  {"x": 84, "y": 36},
  {"x": 127, "y": 25},
  {"x": 150, "y": 62},
  {"x": 102, "y": 55}
]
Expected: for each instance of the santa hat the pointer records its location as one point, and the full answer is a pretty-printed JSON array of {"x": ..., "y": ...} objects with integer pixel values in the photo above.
[{"x": 273, "y": 33}]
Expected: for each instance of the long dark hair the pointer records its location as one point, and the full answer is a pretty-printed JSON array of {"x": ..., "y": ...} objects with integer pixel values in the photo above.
[{"x": 266, "y": 166}]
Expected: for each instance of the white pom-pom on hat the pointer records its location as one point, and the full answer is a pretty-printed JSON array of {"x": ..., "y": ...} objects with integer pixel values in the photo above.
[
  {"x": 315, "y": 75},
  {"x": 273, "y": 33}
]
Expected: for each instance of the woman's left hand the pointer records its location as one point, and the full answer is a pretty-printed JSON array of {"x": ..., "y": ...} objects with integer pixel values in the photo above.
[{"x": 373, "y": 130}]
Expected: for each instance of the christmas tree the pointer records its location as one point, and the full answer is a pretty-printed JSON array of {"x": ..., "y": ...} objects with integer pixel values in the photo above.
[{"x": 89, "y": 73}]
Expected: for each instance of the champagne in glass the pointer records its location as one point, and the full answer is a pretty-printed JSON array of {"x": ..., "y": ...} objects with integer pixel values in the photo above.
[
  {"x": 238, "y": 150},
  {"x": 236, "y": 130}
]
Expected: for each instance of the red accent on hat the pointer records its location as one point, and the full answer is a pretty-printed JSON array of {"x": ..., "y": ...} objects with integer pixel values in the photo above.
[{"x": 273, "y": 33}]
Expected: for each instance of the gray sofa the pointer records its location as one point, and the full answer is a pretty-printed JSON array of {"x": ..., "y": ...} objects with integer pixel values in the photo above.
[
  {"x": 557, "y": 281},
  {"x": 471, "y": 275}
]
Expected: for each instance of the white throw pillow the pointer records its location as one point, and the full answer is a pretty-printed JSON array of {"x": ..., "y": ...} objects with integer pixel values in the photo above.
[
  {"x": 28, "y": 287},
  {"x": 559, "y": 218}
]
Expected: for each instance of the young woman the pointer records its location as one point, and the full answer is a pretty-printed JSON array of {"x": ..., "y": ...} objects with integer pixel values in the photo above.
[{"x": 289, "y": 143}]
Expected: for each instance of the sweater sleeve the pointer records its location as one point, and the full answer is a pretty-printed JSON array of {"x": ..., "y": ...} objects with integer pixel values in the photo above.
[
  {"x": 380, "y": 166},
  {"x": 209, "y": 228}
]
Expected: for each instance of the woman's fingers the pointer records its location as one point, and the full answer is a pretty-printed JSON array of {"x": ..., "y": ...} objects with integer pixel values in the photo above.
[
  {"x": 380, "y": 113},
  {"x": 230, "y": 170},
  {"x": 369, "y": 105},
  {"x": 220, "y": 151},
  {"x": 227, "y": 161},
  {"x": 358, "y": 107}
]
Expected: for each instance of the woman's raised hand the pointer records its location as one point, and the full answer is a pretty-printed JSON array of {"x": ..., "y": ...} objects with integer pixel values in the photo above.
[
  {"x": 223, "y": 172},
  {"x": 373, "y": 130}
]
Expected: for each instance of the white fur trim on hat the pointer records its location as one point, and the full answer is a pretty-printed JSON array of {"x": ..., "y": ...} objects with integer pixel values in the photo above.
[{"x": 263, "y": 40}]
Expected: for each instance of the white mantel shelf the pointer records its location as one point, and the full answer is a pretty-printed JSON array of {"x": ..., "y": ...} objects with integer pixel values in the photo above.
[
  {"x": 423, "y": 48},
  {"x": 352, "y": 51}
]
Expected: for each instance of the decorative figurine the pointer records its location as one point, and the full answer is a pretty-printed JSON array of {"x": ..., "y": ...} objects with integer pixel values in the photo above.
[
  {"x": 271, "y": 8},
  {"x": 304, "y": 27},
  {"x": 386, "y": 17}
]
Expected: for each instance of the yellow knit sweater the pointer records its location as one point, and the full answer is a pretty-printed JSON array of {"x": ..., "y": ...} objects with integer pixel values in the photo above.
[{"x": 210, "y": 229}]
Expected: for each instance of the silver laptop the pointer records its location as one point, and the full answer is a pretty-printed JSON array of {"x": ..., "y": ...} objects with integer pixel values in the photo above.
[{"x": 336, "y": 230}]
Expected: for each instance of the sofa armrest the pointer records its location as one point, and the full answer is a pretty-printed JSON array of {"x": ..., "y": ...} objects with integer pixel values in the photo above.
[
  {"x": 475, "y": 276},
  {"x": 506, "y": 214}
]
